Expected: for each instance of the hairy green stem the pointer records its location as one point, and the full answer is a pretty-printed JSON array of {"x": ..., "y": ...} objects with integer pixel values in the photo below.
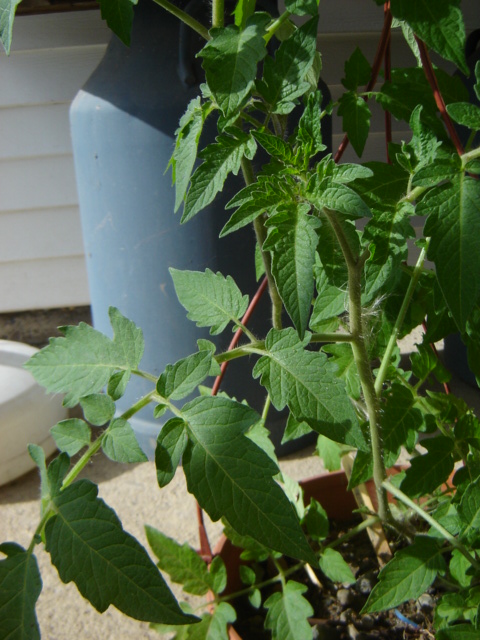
[
  {"x": 96, "y": 445},
  {"x": 365, "y": 524},
  {"x": 331, "y": 337},
  {"x": 395, "y": 491},
  {"x": 275, "y": 25},
  {"x": 470, "y": 155},
  {"x": 218, "y": 13},
  {"x": 392, "y": 342},
  {"x": 261, "y": 234},
  {"x": 185, "y": 18},
  {"x": 355, "y": 270}
]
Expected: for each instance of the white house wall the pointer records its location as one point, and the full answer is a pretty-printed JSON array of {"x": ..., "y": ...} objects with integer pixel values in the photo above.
[{"x": 41, "y": 254}]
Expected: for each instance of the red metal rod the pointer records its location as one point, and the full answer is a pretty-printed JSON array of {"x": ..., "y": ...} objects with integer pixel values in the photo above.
[
  {"x": 432, "y": 80},
  {"x": 388, "y": 76},
  {"x": 377, "y": 63},
  {"x": 238, "y": 333}
]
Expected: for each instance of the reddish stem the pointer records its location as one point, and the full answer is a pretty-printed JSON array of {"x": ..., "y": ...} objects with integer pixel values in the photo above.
[
  {"x": 432, "y": 80},
  {"x": 238, "y": 333},
  {"x": 205, "y": 548},
  {"x": 377, "y": 63}
]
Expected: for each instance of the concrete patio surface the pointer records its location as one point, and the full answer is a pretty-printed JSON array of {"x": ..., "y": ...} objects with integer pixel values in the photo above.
[{"x": 132, "y": 491}]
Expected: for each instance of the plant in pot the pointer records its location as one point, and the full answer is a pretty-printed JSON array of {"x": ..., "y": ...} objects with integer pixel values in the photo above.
[{"x": 333, "y": 254}]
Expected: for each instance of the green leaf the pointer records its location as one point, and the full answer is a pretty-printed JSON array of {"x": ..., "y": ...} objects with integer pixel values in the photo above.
[
  {"x": 37, "y": 454},
  {"x": 71, "y": 435},
  {"x": 330, "y": 452},
  {"x": 294, "y": 429},
  {"x": 307, "y": 382},
  {"x": 171, "y": 443},
  {"x": 476, "y": 86},
  {"x": 243, "y": 10},
  {"x": 292, "y": 263},
  {"x": 288, "y": 612},
  {"x": 356, "y": 115},
  {"x": 7, "y": 15},
  {"x": 409, "y": 88},
  {"x": 309, "y": 132},
  {"x": 180, "y": 379},
  {"x": 458, "y": 632},
  {"x": 82, "y": 362},
  {"x": 283, "y": 79},
  {"x": 387, "y": 234},
  {"x": 302, "y": 7},
  {"x": 120, "y": 444},
  {"x": 400, "y": 421},
  {"x": 118, "y": 383},
  {"x": 186, "y": 145},
  {"x": 342, "y": 356},
  {"x": 385, "y": 187},
  {"x": 454, "y": 226},
  {"x": 210, "y": 299},
  {"x": 469, "y": 510},
  {"x": 88, "y": 545},
  {"x": 181, "y": 562},
  {"x": 128, "y": 337},
  {"x": 232, "y": 478},
  {"x": 334, "y": 566},
  {"x": 436, "y": 172},
  {"x": 214, "y": 626},
  {"x": 230, "y": 61},
  {"x": 118, "y": 15},
  {"x": 250, "y": 210},
  {"x": 276, "y": 147},
  {"x": 348, "y": 172},
  {"x": 465, "y": 114},
  {"x": 357, "y": 71},
  {"x": 341, "y": 198},
  {"x": 20, "y": 586},
  {"x": 362, "y": 469},
  {"x": 407, "y": 575},
  {"x": 330, "y": 301},
  {"x": 316, "y": 521},
  {"x": 218, "y": 575},
  {"x": 219, "y": 160},
  {"x": 429, "y": 471},
  {"x": 458, "y": 567},
  {"x": 439, "y": 24},
  {"x": 98, "y": 408}
]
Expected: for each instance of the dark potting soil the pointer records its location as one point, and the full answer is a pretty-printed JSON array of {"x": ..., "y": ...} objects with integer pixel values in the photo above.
[{"x": 337, "y": 606}]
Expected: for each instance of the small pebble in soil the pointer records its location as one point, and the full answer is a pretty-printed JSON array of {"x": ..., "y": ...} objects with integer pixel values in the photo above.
[
  {"x": 344, "y": 597},
  {"x": 365, "y": 583},
  {"x": 425, "y": 603}
]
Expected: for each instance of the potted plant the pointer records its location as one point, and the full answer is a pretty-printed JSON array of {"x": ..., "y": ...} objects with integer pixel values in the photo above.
[{"x": 332, "y": 241}]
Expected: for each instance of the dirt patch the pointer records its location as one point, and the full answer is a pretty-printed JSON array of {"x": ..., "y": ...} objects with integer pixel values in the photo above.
[{"x": 35, "y": 327}]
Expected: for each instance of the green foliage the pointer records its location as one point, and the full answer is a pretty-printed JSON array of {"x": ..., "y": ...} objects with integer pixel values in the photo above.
[
  {"x": 20, "y": 586},
  {"x": 335, "y": 242},
  {"x": 407, "y": 576},
  {"x": 7, "y": 15},
  {"x": 210, "y": 299},
  {"x": 288, "y": 612}
]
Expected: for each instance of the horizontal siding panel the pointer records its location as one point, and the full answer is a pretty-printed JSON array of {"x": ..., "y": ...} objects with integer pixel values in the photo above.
[
  {"x": 37, "y": 183},
  {"x": 57, "y": 30},
  {"x": 31, "y": 235},
  {"x": 46, "y": 76},
  {"x": 34, "y": 131},
  {"x": 43, "y": 284}
]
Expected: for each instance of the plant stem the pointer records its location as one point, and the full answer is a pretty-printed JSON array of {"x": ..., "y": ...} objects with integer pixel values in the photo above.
[
  {"x": 261, "y": 234},
  {"x": 395, "y": 491},
  {"x": 382, "y": 373},
  {"x": 96, "y": 445},
  {"x": 276, "y": 24},
  {"x": 331, "y": 337},
  {"x": 185, "y": 18},
  {"x": 470, "y": 155},
  {"x": 355, "y": 269},
  {"x": 217, "y": 13},
  {"x": 365, "y": 524}
]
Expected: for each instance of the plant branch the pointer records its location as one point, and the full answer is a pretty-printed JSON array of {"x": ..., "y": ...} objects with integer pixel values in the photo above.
[
  {"x": 395, "y": 491},
  {"x": 432, "y": 80},
  {"x": 218, "y": 10},
  {"x": 331, "y": 337},
  {"x": 261, "y": 234},
  {"x": 382, "y": 372},
  {"x": 185, "y": 18},
  {"x": 96, "y": 445},
  {"x": 355, "y": 270}
]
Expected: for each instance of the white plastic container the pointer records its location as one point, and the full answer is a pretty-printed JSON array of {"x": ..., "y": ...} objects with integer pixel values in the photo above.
[{"x": 27, "y": 412}]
